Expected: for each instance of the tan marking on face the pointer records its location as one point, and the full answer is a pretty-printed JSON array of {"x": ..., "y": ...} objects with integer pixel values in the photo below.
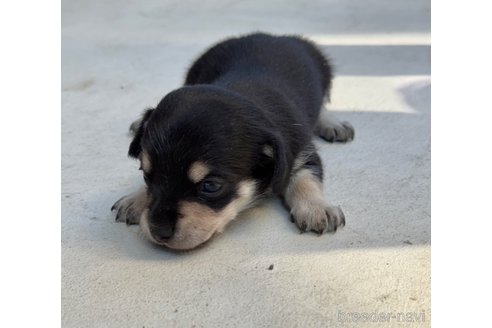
[
  {"x": 199, "y": 222},
  {"x": 198, "y": 171},
  {"x": 145, "y": 161}
]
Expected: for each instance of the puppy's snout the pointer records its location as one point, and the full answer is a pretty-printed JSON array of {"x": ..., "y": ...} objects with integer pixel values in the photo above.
[
  {"x": 163, "y": 234},
  {"x": 163, "y": 223}
]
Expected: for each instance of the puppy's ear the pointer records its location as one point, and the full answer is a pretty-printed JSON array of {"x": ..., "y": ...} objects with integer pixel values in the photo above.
[
  {"x": 137, "y": 129},
  {"x": 275, "y": 148}
]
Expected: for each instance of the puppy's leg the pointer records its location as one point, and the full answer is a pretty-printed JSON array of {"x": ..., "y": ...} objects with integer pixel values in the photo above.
[
  {"x": 304, "y": 197},
  {"x": 331, "y": 129},
  {"x": 130, "y": 207}
]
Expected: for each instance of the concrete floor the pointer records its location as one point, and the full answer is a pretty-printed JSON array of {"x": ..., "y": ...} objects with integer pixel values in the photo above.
[{"x": 119, "y": 57}]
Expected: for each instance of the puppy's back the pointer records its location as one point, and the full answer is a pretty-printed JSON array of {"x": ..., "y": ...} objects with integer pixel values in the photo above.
[{"x": 291, "y": 58}]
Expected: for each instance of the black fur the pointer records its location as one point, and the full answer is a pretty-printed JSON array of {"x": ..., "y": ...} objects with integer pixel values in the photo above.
[{"x": 240, "y": 96}]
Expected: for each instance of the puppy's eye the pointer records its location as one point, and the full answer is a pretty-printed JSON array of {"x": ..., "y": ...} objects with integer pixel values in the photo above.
[{"x": 210, "y": 187}]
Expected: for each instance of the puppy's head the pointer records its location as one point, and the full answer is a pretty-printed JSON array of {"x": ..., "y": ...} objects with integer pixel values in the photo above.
[{"x": 206, "y": 154}]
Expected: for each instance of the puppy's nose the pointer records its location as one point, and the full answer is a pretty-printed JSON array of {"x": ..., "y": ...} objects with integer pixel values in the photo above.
[{"x": 163, "y": 235}]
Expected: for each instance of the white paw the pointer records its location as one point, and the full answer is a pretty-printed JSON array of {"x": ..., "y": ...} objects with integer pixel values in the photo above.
[
  {"x": 318, "y": 218},
  {"x": 130, "y": 207}
]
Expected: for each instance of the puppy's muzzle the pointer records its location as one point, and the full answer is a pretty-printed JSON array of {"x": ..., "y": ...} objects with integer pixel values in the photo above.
[
  {"x": 164, "y": 229},
  {"x": 162, "y": 234}
]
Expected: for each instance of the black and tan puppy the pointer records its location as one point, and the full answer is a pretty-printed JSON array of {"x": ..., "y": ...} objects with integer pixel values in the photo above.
[{"x": 239, "y": 130}]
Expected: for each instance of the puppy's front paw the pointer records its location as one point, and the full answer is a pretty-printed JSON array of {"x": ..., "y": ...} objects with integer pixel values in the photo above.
[
  {"x": 129, "y": 208},
  {"x": 336, "y": 131},
  {"x": 318, "y": 218}
]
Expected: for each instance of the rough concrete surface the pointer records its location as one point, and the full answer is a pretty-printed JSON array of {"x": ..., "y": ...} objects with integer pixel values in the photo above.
[{"x": 119, "y": 57}]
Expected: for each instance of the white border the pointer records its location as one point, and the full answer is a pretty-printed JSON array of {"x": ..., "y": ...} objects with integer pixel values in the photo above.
[
  {"x": 30, "y": 171},
  {"x": 461, "y": 164}
]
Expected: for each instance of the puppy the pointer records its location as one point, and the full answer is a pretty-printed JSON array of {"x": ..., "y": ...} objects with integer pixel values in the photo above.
[{"x": 239, "y": 130}]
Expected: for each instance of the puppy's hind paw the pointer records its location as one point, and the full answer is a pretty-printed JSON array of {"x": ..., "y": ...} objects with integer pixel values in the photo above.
[{"x": 336, "y": 131}]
